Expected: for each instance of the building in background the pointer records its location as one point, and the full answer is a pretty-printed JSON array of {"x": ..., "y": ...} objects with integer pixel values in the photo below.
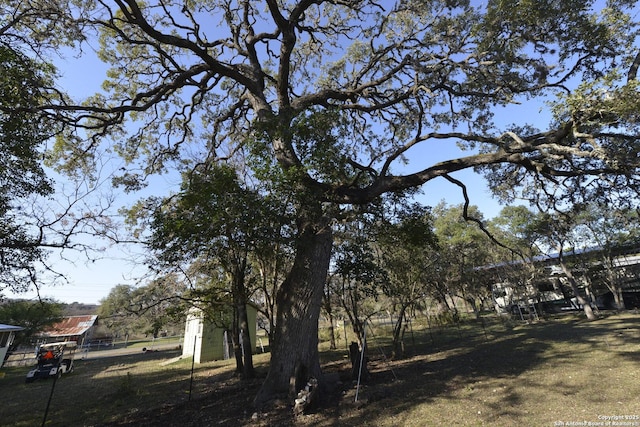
[
  {"x": 7, "y": 334},
  {"x": 71, "y": 328}
]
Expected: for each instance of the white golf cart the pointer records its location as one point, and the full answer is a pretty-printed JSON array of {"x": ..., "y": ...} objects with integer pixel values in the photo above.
[{"x": 54, "y": 359}]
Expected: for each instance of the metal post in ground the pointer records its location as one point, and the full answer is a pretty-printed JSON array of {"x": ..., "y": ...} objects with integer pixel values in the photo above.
[
  {"x": 53, "y": 386},
  {"x": 193, "y": 363},
  {"x": 364, "y": 346}
]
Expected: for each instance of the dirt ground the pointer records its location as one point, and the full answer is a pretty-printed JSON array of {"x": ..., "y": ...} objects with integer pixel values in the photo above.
[
  {"x": 541, "y": 374},
  {"x": 227, "y": 401}
]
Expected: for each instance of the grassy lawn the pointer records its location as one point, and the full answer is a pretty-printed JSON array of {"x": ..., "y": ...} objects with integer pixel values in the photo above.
[
  {"x": 564, "y": 370},
  {"x": 544, "y": 374},
  {"x": 102, "y": 390}
]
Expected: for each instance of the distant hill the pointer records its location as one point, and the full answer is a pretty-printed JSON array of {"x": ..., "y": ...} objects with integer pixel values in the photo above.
[
  {"x": 73, "y": 309},
  {"x": 78, "y": 308}
]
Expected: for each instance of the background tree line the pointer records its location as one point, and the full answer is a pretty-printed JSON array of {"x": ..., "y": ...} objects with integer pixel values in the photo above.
[{"x": 395, "y": 260}]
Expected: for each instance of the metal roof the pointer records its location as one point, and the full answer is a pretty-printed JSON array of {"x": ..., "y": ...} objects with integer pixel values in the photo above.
[
  {"x": 67, "y": 344},
  {"x": 71, "y": 326},
  {"x": 9, "y": 328}
]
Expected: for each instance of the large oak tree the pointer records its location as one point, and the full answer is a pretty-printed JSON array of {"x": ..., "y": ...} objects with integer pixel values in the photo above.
[{"x": 203, "y": 80}]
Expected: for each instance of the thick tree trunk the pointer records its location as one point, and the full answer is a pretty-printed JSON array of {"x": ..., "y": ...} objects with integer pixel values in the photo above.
[{"x": 294, "y": 354}]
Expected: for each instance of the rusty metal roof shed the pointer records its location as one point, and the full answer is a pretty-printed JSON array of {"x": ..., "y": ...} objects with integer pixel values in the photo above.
[{"x": 71, "y": 326}]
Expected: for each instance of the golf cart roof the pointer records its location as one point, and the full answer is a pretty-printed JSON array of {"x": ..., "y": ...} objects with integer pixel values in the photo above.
[
  {"x": 67, "y": 344},
  {"x": 10, "y": 328}
]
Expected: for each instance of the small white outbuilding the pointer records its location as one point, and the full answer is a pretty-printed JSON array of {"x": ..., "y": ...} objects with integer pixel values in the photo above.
[{"x": 206, "y": 341}]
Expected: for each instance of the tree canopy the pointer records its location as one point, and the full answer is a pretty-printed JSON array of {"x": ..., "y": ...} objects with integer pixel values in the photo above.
[
  {"x": 33, "y": 316},
  {"x": 21, "y": 173},
  {"x": 415, "y": 73},
  {"x": 30, "y": 223}
]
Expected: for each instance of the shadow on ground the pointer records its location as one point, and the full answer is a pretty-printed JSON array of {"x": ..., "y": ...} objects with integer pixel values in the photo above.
[
  {"x": 459, "y": 366},
  {"x": 447, "y": 364}
]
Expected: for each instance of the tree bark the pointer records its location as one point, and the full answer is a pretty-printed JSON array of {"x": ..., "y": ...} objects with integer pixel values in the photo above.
[
  {"x": 612, "y": 284},
  {"x": 244, "y": 352},
  {"x": 398, "y": 335},
  {"x": 359, "y": 369},
  {"x": 329, "y": 310},
  {"x": 245, "y": 341},
  {"x": 357, "y": 325},
  {"x": 618, "y": 299},
  {"x": 588, "y": 311},
  {"x": 235, "y": 340},
  {"x": 294, "y": 355}
]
